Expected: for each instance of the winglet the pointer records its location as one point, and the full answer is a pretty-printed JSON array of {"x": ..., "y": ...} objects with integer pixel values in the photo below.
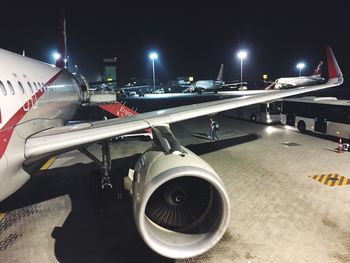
[{"x": 333, "y": 67}]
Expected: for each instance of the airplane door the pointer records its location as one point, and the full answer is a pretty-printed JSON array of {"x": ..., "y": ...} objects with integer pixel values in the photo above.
[
  {"x": 290, "y": 119},
  {"x": 320, "y": 124},
  {"x": 26, "y": 99}
]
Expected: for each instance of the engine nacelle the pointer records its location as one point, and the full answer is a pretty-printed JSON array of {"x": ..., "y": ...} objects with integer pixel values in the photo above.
[{"x": 181, "y": 208}]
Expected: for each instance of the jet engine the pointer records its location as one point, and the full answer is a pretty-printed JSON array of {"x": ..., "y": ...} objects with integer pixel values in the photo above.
[{"x": 181, "y": 208}]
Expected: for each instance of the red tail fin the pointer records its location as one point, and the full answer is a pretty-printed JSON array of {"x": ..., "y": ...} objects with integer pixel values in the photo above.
[
  {"x": 62, "y": 42},
  {"x": 333, "y": 67}
]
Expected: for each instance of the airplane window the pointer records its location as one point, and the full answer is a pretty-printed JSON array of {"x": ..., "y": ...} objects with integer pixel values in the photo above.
[
  {"x": 41, "y": 87},
  {"x": 35, "y": 86},
  {"x": 21, "y": 86},
  {"x": 30, "y": 86},
  {"x": 2, "y": 87},
  {"x": 11, "y": 87}
]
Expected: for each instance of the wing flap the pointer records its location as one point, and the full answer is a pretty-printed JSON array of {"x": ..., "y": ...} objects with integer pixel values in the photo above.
[{"x": 57, "y": 140}]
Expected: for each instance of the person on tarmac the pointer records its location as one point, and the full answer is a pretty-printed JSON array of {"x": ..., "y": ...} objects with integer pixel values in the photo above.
[{"x": 214, "y": 126}]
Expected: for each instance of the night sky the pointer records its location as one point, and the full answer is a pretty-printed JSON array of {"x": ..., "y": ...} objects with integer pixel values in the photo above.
[{"x": 191, "y": 37}]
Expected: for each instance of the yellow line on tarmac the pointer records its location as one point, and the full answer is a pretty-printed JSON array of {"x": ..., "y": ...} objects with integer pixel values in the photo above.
[
  {"x": 48, "y": 163},
  {"x": 2, "y": 216}
]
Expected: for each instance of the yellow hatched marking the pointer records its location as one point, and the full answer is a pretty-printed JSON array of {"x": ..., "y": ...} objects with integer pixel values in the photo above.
[
  {"x": 329, "y": 183},
  {"x": 331, "y": 180},
  {"x": 2, "y": 216},
  {"x": 338, "y": 181},
  {"x": 48, "y": 163},
  {"x": 324, "y": 179},
  {"x": 316, "y": 177}
]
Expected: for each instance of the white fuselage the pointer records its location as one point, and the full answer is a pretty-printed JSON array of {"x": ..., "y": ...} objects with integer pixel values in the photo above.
[
  {"x": 208, "y": 84},
  {"x": 34, "y": 96},
  {"x": 297, "y": 81}
]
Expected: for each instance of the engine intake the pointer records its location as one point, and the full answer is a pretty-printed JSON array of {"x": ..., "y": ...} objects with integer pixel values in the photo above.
[{"x": 181, "y": 208}]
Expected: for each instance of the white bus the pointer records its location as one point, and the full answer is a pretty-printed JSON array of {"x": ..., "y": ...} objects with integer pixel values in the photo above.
[
  {"x": 267, "y": 112},
  {"x": 326, "y": 115}
]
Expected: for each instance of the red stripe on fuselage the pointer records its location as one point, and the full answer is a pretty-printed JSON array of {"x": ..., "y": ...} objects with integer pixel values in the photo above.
[{"x": 7, "y": 130}]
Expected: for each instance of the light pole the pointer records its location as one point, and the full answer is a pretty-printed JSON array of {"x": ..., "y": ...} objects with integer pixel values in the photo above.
[
  {"x": 300, "y": 66},
  {"x": 242, "y": 55},
  {"x": 56, "y": 56},
  {"x": 153, "y": 56}
]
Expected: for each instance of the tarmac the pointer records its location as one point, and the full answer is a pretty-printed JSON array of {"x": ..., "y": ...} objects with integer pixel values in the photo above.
[{"x": 280, "y": 212}]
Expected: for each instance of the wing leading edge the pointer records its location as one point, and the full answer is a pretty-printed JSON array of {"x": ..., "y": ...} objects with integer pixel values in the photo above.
[{"x": 67, "y": 138}]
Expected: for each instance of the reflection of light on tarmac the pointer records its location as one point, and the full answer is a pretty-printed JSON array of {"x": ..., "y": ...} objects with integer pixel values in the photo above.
[
  {"x": 287, "y": 127},
  {"x": 271, "y": 129}
]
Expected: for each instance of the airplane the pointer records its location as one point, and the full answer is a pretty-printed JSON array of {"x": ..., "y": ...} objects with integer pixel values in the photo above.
[
  {"x": 292, "y": 82},
  {"x": 180, "y": 205},
  {"x": 213, "y": 85}
]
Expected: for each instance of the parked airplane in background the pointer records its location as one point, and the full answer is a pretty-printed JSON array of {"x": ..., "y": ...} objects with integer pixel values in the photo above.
[
  {"x": 180, "y": 205},
  {"x": 292, "y": 82},
  {"x": 213, "y": 85}
]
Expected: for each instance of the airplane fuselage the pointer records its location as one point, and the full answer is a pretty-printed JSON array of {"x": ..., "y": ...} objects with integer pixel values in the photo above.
[
  {"x": 34, "y": 96},
  {"x": 297, "y": 81},
  {"x": 208, "y": 84}
]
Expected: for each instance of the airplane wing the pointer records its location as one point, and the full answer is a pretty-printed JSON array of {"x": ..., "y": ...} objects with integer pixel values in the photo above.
[{"x": 67, "y": 138}]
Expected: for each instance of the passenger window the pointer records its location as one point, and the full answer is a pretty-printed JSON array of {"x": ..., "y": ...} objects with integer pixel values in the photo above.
[
  {"x": 2, "y": 87},
  {"x": 40, "y": 87},
  {"x": 30, "y": 86},
  {"x": 21, "y": 86},
  {"x": 36, "y": 88},
  {"x": 10, "y": 87}
]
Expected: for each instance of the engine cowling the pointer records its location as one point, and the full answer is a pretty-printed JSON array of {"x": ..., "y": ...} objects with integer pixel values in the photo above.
[{"x": 181, "y": 208}]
